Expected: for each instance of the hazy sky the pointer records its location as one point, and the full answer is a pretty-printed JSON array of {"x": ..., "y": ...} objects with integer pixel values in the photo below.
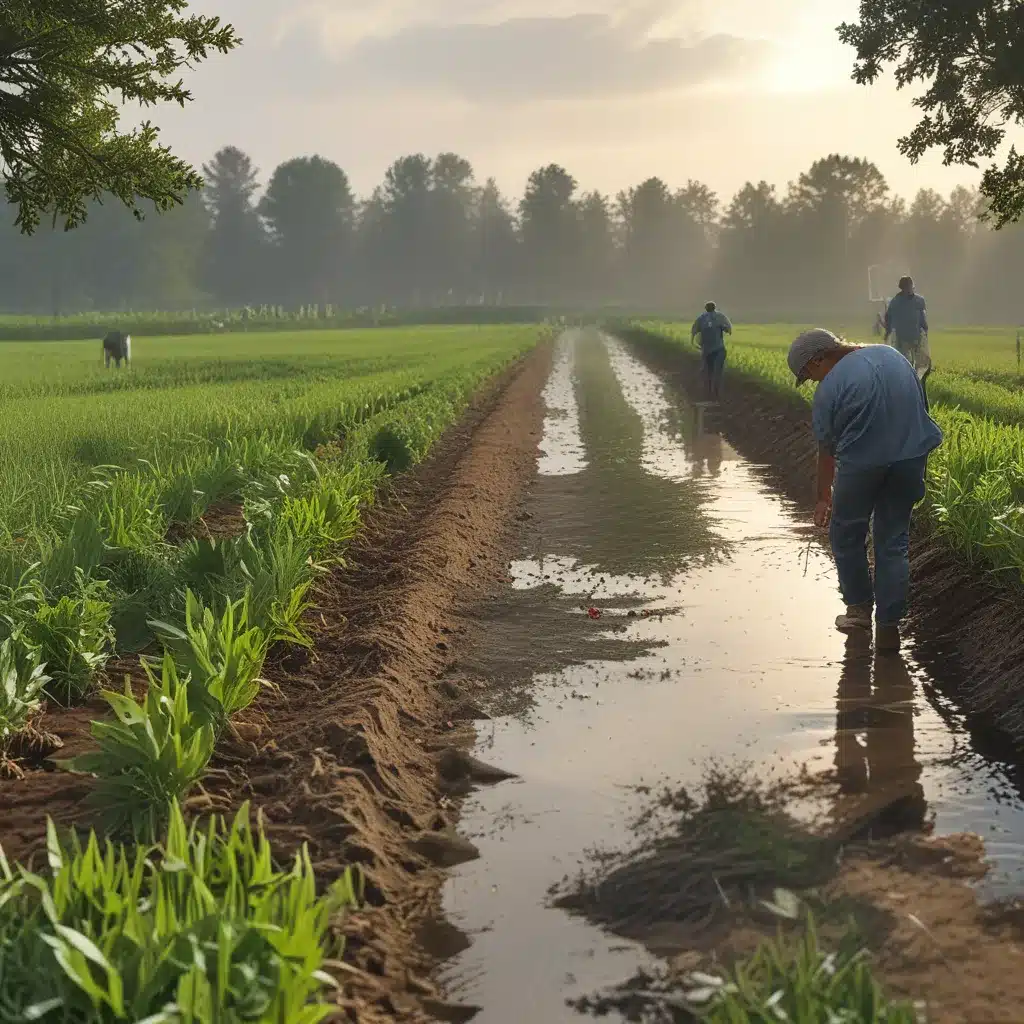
[{"x": 720, "y": 90}]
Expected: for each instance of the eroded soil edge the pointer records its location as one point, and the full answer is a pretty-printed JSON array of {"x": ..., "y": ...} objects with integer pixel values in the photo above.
[{"x": 348, "y": 757}]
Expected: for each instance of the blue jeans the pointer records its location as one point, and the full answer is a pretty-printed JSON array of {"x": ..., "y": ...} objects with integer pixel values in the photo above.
[
  {"x": 713, "y": 365},
  {"x": 889, "y": 494}
]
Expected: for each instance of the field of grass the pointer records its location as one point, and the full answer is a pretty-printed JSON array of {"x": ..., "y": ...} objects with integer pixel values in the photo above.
[
  {"x": 976, "y": 477},
  {"x": 273, "y": 319},
  {"x": 105, "y": 478}
]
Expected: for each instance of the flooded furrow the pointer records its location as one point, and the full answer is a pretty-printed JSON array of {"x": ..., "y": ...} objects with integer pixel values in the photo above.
[{"x": 669, "y": 609}]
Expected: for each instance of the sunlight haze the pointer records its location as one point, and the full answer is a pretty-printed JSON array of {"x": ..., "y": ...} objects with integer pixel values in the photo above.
[{"x": 724, "y": 92}]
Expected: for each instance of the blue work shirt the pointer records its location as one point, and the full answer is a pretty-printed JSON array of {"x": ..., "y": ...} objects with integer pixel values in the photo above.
[
  {"x": 906, "y": 317},
  {"x": 712, "y": 327},
  {"x": 870, "y": 410}
]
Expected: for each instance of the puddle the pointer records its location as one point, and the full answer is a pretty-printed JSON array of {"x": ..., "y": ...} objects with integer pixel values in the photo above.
[{"x": 711, "y": 638}]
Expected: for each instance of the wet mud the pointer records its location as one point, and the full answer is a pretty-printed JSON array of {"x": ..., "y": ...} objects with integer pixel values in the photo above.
[{"x": 671, "y": 607}]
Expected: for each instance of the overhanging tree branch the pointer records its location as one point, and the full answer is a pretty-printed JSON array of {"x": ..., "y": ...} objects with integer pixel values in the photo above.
[
  {"x": 60, "y": 141},
  {"x": 970, "y": 57}
]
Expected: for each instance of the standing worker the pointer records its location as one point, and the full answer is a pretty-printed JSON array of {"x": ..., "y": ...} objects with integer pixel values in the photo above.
[
  {"x": 906, "y": 319},
  {"x": 712, "y": 326},
  {"x": 874, "y": 435}
]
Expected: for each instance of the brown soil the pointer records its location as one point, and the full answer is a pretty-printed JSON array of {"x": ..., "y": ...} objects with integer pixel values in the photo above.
[
  {"x": 38, "y": 789},
  {"x": 222, "y": 520},
  {"x": 358, "y": 752},
  {"x": 930, "y": 941},
  {"x": 970, "y": 618}
]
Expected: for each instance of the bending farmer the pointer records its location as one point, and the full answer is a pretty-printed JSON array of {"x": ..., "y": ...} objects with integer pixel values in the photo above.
[
  {"x": 874, "y": 435},
  {"x": 712, "y": 326},
  {"x": 906, "y": 321}
]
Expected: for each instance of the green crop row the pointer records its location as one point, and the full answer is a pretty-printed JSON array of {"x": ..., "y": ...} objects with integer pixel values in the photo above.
[
  {"x": 199, "y": 928},
  {"x": 62, "y": 415},
  {"x": 220, "y": 935},
  {"x": 975, "y": 478},
  {"x": 256, "y": 319}
]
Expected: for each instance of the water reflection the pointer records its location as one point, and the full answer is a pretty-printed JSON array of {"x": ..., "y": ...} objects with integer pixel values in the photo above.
[
  {"x": 633, "y": 508},
  {"x": 743, "y": 666},
  {"x": 876, "y": 762},
  {"x": 707, "y": 449}
]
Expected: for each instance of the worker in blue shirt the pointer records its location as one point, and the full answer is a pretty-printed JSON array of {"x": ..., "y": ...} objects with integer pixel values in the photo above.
[
  {"x": 712, "y": 326},
  {"x": 906, "y": 323},
  {"x": 874, "y": 435}
]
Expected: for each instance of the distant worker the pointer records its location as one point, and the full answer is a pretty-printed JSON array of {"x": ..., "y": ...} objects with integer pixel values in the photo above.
[
  {"x": 874, "y": 435},
  {"x": 906, "y": 321},
  {"x": 712, "y": 326}
]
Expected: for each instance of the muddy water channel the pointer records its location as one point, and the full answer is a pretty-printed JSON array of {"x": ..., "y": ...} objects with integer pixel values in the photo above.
[{"x": 714, "y": 641}]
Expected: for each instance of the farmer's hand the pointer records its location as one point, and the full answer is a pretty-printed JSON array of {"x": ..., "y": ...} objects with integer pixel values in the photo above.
[{"x": 822, "y": 513}]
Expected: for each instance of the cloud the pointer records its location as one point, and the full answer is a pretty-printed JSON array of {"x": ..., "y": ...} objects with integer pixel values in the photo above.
[{"x": 519, "y": 59}]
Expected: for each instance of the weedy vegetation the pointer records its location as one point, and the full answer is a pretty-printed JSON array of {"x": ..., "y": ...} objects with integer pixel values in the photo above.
[
  {"x": 201, "y": 927},
  {"x": 114, "y": 488}
]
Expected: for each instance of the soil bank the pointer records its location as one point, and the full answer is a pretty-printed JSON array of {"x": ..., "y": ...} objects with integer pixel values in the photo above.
[{"x": 967, "y": 617}]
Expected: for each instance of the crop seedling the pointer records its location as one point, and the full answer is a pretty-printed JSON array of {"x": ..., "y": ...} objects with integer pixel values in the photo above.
[
  {"x": 795, "y": 980},
  {"x": 278, "y": 569},
  {"x": 150, "y": 755},
  {"x": 22, "y": 681},
  {"x": 324, "y": 518},
  {"x": 207, "y": 567},
  {"x": 73, "y": 636},
  {"x": 200, "y": 929},
  {"x": 220, "y": 658}
]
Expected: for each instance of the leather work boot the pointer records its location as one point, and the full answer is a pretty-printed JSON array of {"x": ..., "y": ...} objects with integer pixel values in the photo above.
[
  {"x": 858, "y": 616},
  {"x": 887, "y": 637}
]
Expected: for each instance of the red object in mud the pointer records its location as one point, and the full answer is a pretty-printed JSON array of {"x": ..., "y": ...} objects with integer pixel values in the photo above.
[{"x": 594, "y": 613}]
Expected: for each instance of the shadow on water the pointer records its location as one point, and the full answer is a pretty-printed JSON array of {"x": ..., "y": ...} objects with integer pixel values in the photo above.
[{"x": 670, "y": 609}]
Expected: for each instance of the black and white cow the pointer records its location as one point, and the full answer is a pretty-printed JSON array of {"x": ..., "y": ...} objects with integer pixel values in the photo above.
[{"x": 117, "y": 346}]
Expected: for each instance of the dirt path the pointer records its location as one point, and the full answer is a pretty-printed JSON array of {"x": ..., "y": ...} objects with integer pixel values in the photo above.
[{"x": 670, "y": 608}]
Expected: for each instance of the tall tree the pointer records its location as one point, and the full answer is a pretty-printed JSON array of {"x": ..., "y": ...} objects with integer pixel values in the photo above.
[
  {"x": 454, "y": 198},
  {"x": 169, "y": 272},
  {"x": 663, "y": 246},
  {"x": 309, "y": 208},
  {"x": 406, "y": 235},
  {"x": 970, "y": 57},
  {"x": 597, "y": 249},
  {"x": 66, "y": 67},
  {"x": 751, "y": 273},
  {"x": 832, "y": 205},
  {"x": 697, "y": 218},
  {"x": 550, "y": 233},
  {"x": 495, "y": 247},
  {"x": 235, "y": 247}
]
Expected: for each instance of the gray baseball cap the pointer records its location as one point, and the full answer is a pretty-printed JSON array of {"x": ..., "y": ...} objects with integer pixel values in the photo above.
[{"x": 810, "y": 344}]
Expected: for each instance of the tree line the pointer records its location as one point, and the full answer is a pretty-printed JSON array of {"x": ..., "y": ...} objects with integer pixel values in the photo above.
[{"x": 431, "y": 234}]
